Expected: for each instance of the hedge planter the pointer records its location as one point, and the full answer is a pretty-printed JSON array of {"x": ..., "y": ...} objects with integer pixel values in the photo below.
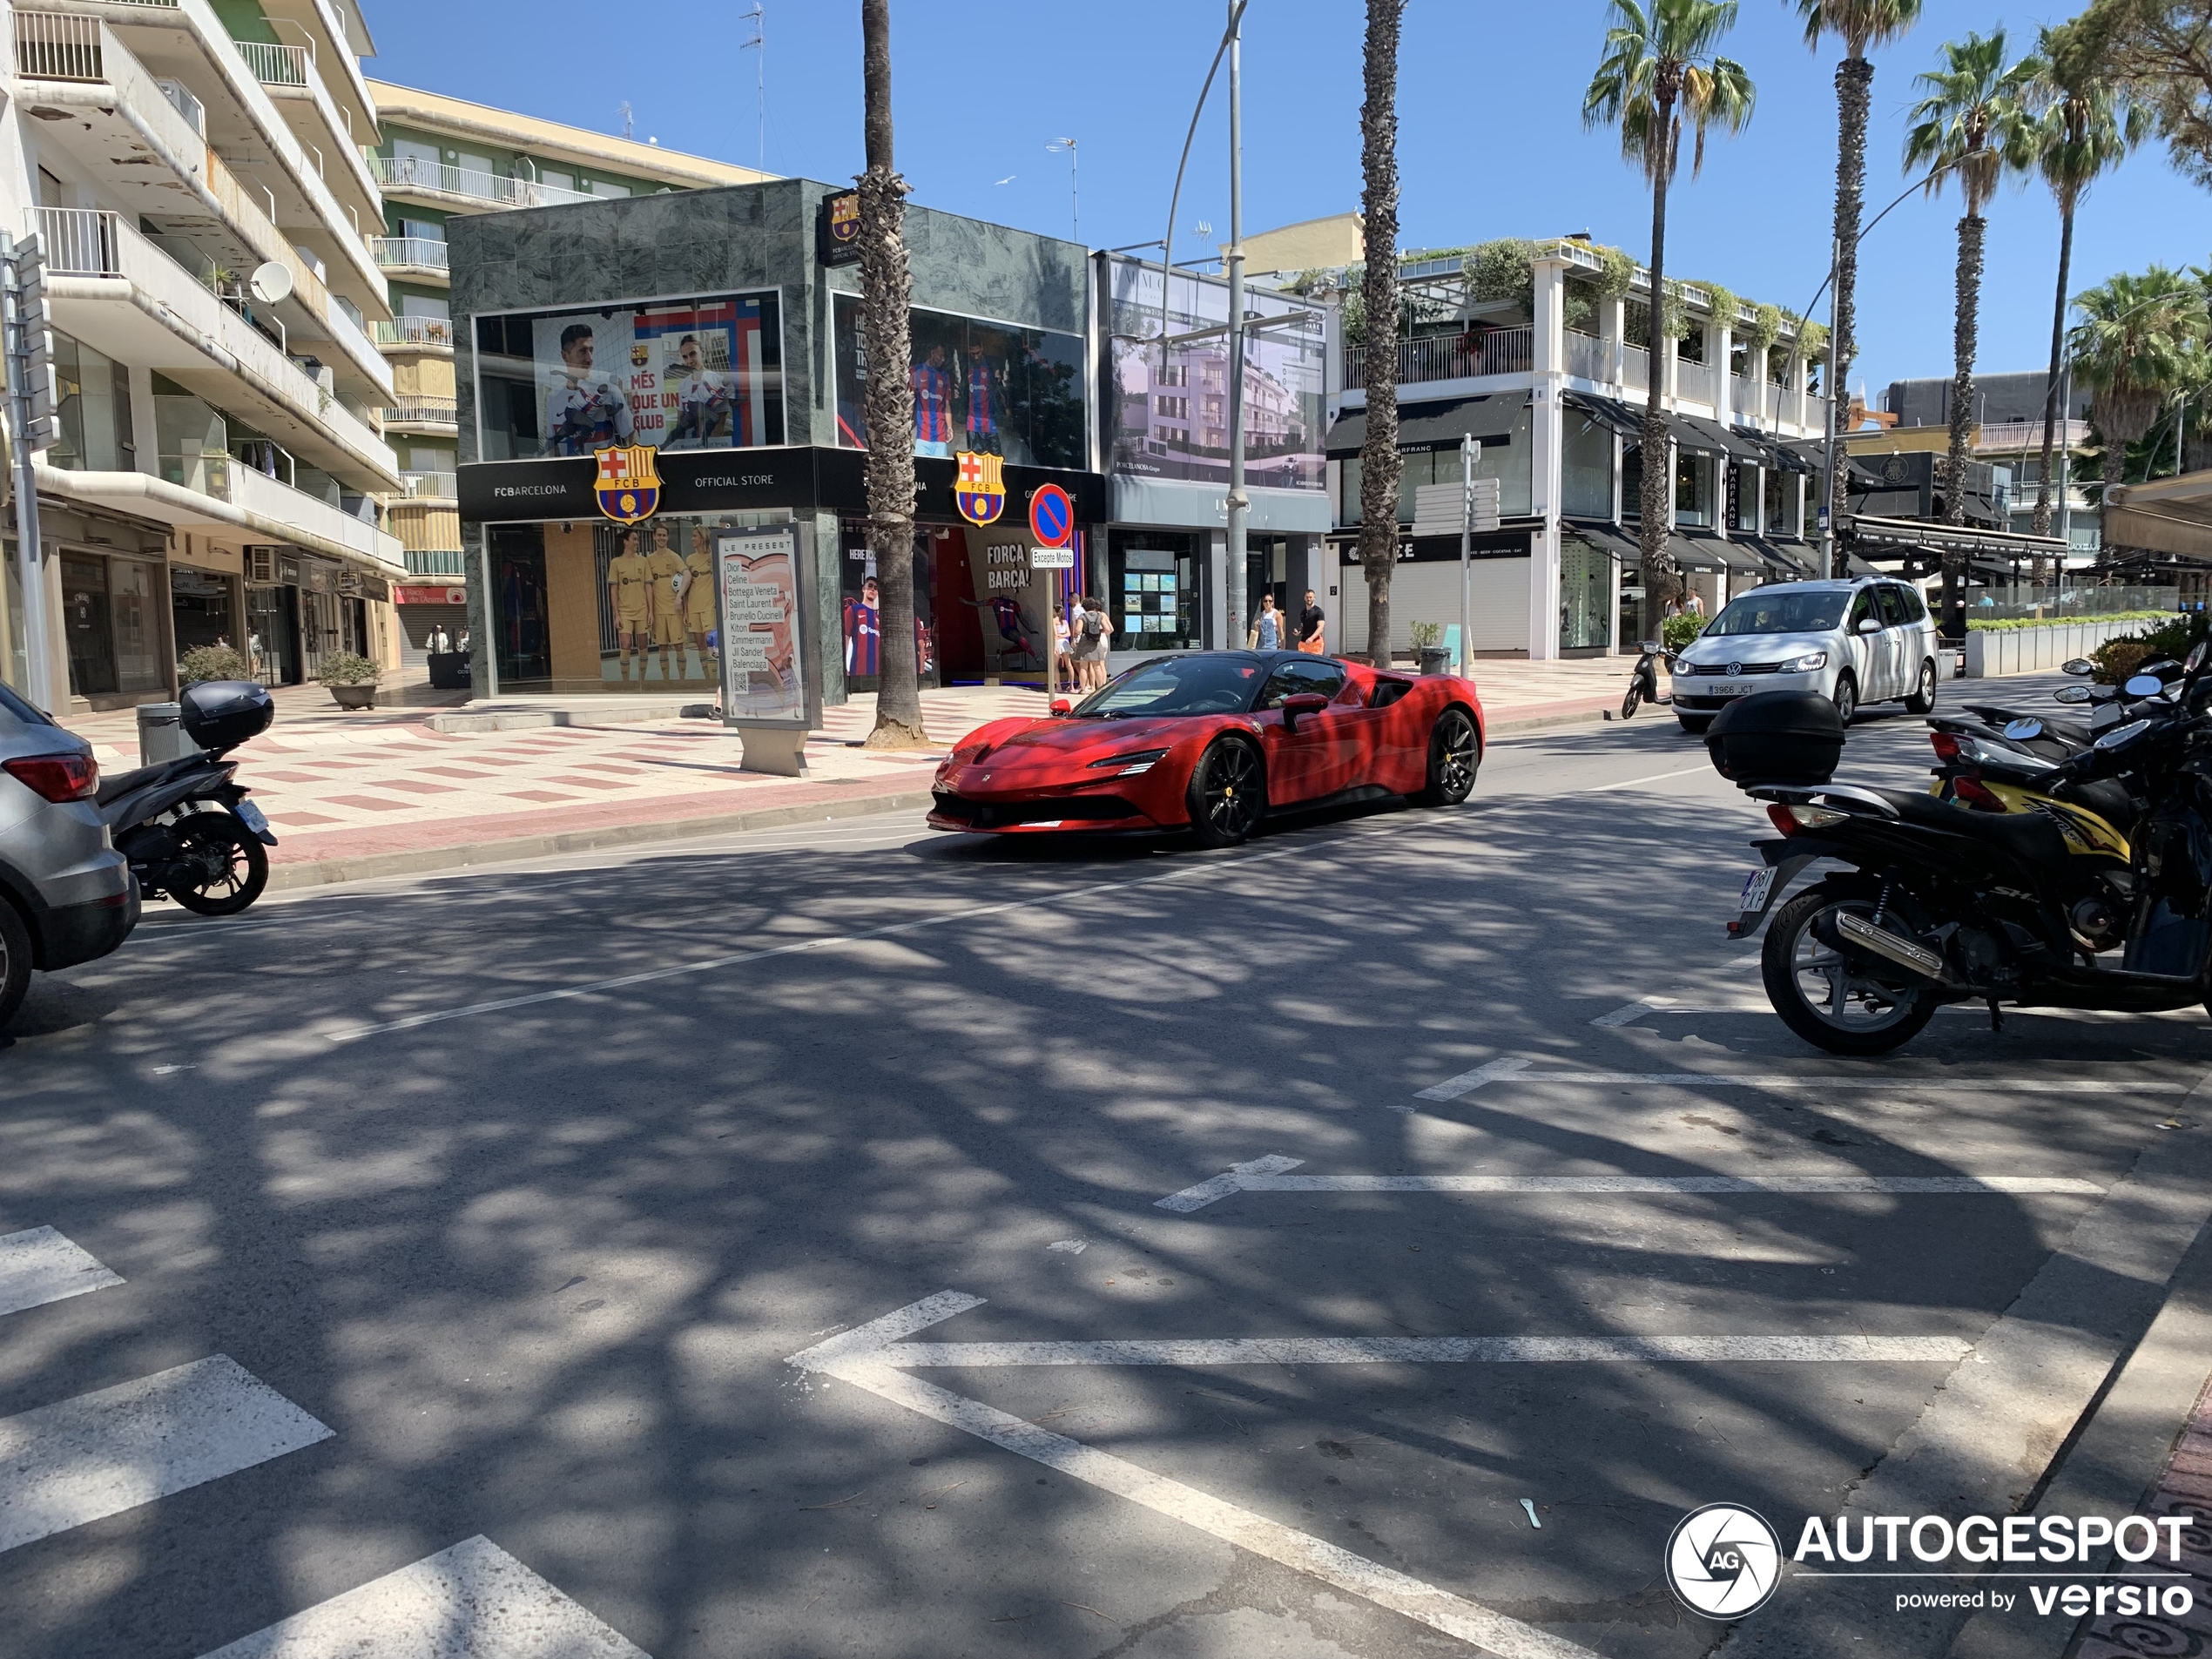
[
  {"x": 1991, "y": 652},
  {"x": 354, "y": 696}
]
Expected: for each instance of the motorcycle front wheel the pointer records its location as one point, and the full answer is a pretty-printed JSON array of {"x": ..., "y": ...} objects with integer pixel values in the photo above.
[
  {"x": 1629, "y": 703},
  {"x": 223, "y": 866},
  {"x": 1822, "y": 996}
]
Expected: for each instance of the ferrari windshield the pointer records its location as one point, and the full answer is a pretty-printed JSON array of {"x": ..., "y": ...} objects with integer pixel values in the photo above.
[
  {"x": 1806, "y": 610},
  {"x": 1209, "y": 684}
]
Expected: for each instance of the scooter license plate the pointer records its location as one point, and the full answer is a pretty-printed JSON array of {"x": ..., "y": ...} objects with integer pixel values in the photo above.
[
  {"x": 1758, "y": 887},
  {"x": 252, "y": 816}
]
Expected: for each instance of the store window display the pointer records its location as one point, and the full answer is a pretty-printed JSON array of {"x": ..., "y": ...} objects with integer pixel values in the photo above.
[{"x": 987, "y": 388}]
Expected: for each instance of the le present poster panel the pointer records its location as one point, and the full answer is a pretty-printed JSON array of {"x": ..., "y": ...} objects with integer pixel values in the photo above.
[{"x": 760, "y": 639}]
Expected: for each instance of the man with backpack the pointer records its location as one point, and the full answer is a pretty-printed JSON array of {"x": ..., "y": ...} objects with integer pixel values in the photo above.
[{"x": 1092, "y": 631}]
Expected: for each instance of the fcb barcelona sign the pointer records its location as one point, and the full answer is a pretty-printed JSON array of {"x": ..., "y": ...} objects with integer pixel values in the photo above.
[
  {"x": 840, "y": 231},
  {"x": 979, "y": 488},
  {"x": 629, "y": 485}
]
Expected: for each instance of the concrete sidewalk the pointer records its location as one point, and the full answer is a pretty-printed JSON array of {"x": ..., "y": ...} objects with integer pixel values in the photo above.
[{"x": 377, "y": 792}]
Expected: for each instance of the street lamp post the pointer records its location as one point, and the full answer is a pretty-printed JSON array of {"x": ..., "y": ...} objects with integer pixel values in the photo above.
[
  {"x": 1075, "y": 195},
  {"x": 1238, "y": 504}
]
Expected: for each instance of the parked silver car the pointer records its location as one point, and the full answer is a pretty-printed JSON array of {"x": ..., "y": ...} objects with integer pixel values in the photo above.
[
  {"x": 1869, "y": 640},
  {"x": 66, "y": 895}
]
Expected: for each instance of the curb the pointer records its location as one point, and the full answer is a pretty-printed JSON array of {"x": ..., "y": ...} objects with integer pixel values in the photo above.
[{"x": 321, "y": 873}]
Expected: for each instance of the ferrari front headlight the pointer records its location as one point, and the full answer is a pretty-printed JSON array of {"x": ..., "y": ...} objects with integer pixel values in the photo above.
[{"x": 1129, "y": 766}]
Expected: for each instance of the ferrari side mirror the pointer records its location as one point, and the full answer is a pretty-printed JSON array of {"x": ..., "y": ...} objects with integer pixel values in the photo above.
[{"x": 1061, "y": 705}]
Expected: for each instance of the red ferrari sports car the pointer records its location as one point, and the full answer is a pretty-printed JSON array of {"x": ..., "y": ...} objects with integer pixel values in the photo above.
[{"x": 1212, "y": 742}]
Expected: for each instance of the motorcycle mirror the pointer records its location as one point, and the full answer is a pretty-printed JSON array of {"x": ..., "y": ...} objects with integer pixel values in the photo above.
[
  {"x": 2105, "y": 718},
  {"x": 2120, "y": 737},
  {"x": 2077, "y": 666},
  {"x": 2020, "y": 731},
  {"x": 2071, "y": 694},
  {"x": 2143, "y": 685},
  {"x": 2198, "y": 652}
]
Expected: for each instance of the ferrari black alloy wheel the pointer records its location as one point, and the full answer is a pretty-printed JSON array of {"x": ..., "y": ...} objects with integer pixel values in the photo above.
[
  {"x": 1453, "y": 754},
  {"x": 1228, "y": 794}
]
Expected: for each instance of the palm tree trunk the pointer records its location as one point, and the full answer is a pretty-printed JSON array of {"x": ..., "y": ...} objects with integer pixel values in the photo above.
[
  {"x": 2051, "y": 382},
  {"x": 1965, "y": 331},
  {"x": 1379, "y": 463},
  {"x": 1854, "y": 91},
  {"x": 1662, "y": 581},
  {"x": 885, "y": 288}
]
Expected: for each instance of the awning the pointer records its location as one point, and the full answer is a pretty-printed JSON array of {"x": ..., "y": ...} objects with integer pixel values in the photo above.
[
  {"x": 1697, "y": 552},
  {"x": 1741, "y": 561},
  {"x": 1607, "y": 538},
  {"x": 1857, "y": 566},
  {"x": 1776, "y": 453},
  {"x": 1423, "y": 426},
  {"x": 1624, "y": 418},
  {"x": 1791, "y": 561},
  {"x": 1712, "y": 438}
]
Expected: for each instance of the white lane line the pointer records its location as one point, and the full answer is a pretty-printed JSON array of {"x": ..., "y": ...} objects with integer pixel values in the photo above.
[
  {"x": 1849, "y": 1348},
  {"x": 65, "y": 1465},
  {"x": 1467, "y": 1082},
  {"x": 472, "y": 1602},
  {"x": 1632, "y": 1012},
  {"x": 827, "y": 941},
  {"x": 41, "y": 1266},
  {"x": 1631, "y": 783},
  {"x": 854, "y": 1358},
  {"x": 1254, "y": 1177}
]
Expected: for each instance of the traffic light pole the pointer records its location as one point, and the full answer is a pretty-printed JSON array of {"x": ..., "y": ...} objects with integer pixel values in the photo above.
[{"x": 23, "y": 350}]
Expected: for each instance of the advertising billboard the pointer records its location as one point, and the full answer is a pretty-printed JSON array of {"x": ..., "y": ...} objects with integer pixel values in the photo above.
[
  {"x": 1170, "y": 411},
  {"x": 760, "y": 636},
  {"x": 687, "y": 374}
]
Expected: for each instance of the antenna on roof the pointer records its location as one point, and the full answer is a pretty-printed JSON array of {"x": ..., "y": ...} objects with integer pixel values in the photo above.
[
  {"x": 758, "y": 18},
  {"x": 623, "y": 110}
]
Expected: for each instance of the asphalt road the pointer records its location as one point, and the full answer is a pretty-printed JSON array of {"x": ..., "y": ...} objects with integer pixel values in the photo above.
[{"x": 508, "y": 1200}]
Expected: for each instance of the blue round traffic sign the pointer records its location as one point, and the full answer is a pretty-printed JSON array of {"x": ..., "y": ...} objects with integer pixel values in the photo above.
[{"x": 1052, "y": 515}]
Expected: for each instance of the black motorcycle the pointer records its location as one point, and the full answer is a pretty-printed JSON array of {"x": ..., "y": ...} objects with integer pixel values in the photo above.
[
  {"x": 187, "y": 829},
  {"x": 1937, "y": 902},
  {"x": 1643, "y": 679}
]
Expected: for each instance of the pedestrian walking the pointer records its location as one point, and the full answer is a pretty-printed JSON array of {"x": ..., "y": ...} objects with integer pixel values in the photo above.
[
  {"x": 1692, "y": 605},
  {"x": 1312, "y": 627},
  {"x": 1063, "y": 658},
  {"x": 1266, "y": 631},
  {"x": 1092, "y": 629},
  {"x": 440, "y": 643}
]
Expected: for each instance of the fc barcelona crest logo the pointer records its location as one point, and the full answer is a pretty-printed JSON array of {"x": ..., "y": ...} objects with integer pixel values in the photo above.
[
  {"x": 981, "y": 488},
  {"x": 629, "y": 485},
  {"x": 844, "y": 217}
]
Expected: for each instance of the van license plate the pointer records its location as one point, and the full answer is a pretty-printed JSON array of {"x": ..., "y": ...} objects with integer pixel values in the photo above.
[
  {"x": 1729, "y": 688},
  {"x": 1758, "y": 887}
]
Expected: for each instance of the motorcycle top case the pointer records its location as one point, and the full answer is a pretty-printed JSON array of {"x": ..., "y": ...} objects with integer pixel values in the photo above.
[
  {"x": 1792, "y": 739},
  {"x": 221, "y": 714}
]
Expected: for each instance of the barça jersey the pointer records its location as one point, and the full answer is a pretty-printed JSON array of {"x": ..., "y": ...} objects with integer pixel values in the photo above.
[
  {"x": 982, "y": 422},
  {"x": 586, "y": 413},
  {"x": 932, "y": 404},
  {"x": 863, "y": 634}
]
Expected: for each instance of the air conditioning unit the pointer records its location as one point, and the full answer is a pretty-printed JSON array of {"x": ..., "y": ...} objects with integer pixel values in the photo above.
[{"x": 261, "y": 565}]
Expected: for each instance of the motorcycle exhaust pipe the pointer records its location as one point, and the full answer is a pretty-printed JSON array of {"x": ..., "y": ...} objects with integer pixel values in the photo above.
[{"x": 1913, "y": 957}]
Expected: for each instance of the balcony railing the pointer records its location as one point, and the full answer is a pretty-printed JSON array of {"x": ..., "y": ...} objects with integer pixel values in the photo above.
[
  {"x": 420, "y": 411},
  {"x": 2028, "y": 435},
  {"x": 1694, "y": 382},
  {"x": 414, "y": 172},
  {"x": 1746, "y": 399},
  {"x": 52, "y": 46},
  {"x": 1450, "y": 357},
  {"x": 80, "y": 241},
  {"x": 408, "y": 253},
  {"x": 413, "y": 331},
  {"x": 435, "y": 562},
  {"x": 1585, "y": 356},
  {"x": 431, "y": 486},
  {"x": 274, "y": 65}
]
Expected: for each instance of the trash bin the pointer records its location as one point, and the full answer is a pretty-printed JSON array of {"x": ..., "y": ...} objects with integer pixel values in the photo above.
[
  {"x": 161, "y": 734},
  {"x": 450, "y": 670}
]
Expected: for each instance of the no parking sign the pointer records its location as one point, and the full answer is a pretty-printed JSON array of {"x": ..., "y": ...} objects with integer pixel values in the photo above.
[{"x": 1052, "y": 515}]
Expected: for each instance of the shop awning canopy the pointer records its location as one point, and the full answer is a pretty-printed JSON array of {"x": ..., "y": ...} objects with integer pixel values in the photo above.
[
  {"x": 1607, "y": 538},
  {"x": 1740, "y": 560},
  {"x": 1876, "y": 535},
  {"x": 1778, "y": 453},
  {"x": 1423, "y": 426},
  {"x": 1701, "y": 553},
  {"x": 1700, "y": 437},
  {"x": 1624, "y": 418}
]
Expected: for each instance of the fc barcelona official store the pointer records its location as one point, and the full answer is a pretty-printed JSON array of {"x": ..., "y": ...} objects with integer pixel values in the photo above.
[{"x": 643, "y": 381}]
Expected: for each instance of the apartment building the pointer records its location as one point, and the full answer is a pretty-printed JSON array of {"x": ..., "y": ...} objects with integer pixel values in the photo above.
[
  {"x": 197, "y": 174},
  {"x": 2007, "y": 432},
  {"x": 440, "y": 158}
]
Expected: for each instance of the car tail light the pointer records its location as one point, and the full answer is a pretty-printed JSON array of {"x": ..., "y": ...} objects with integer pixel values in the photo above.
[
  {"x": 1790, "y": 819},
  {"x": 1977, "y": 794},
  {"x": 1946, "y": 747},
  {"x": 57, "y": 778}
]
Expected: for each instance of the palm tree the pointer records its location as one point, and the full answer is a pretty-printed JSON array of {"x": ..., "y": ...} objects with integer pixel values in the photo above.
[
  {"x": 885, "y": 288},
  {"x": 1380, "y": 465},
  {"x": 1861, "y": 25},
  {"x": 1660, "y": 69},
  {"x": 1971, "y": 127},
  {"x": 2085, "y": 131},
  {"x": 2141, "y": 340}
]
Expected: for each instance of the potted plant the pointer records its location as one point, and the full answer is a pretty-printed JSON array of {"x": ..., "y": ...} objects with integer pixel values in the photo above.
[
  {"x": 1434, "y": 659},
  {"x": 351, "y": 680},
  {"x": 203, "y": 663}
]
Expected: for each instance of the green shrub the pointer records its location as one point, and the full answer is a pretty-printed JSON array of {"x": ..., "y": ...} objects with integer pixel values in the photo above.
[
  {"x": 2117, "y": 659},
  {"x": 212, "y": 662},
  {"x": 347, "y": 669},
  {"x": 1425, "y": 634},
  {"x": 1676, "y": 633},
  {"x": 2001, "y": 624}
]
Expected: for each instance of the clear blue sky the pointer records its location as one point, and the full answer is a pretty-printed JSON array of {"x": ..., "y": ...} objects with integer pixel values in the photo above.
[{"x": 1490, "y": 137}]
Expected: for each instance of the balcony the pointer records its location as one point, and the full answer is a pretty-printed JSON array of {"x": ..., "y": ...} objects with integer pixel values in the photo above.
[
  {"x": 1586, "y": 357},
  {"x": 2026, "y": 436},
  {"x": 119, "y": 293},
  {"x": 417, "y": 256},
  {"x": 431, "y": 486},
  {"x": 437, "y": 562},
  {"x": 288, "y": 75},
  {"x": 436, "y": 414},
  {"x": 1450, "y": 357},
  {"x": 1694, "y": 383},
  {"x": 1636, "y": 369},
  {"x": 434, "y": 334},
  {"x": 465, "y": 187}
]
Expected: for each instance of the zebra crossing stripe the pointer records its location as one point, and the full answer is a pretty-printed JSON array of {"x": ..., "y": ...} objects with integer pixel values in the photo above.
[
  {"x": 82, "y": 1459},
  {"x": 41, "y": 1266},
  {"x": 472, "y": 1602}
]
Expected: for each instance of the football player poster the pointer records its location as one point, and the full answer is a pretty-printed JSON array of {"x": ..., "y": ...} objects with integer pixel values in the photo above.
[
  {"x": 761, "y": 677},
  {"x": 671, "y": 374}
]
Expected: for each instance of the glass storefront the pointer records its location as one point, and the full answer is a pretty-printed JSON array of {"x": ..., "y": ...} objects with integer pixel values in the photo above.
[
  {"x": 988, "y": 387},
  {"x": 200, "y": 607},
  {"x": 1585, "y": 583},
  {"x": 1505, "y": 457},
  {"x": 688, "y": 374},
  {"x": 1784, "y": 493},
  {"x": 1152, "y": 578},
  {"x": 1585, "y": 466},
  {"x": 272, "y": 634},
  {"x": 111, "y": 626}
]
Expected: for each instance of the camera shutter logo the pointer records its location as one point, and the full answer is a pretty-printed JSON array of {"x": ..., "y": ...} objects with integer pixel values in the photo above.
[{"x": 1723, "y": 1561}]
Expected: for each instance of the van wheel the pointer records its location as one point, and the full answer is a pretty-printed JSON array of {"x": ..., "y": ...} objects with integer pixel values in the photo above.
[
  {"x": 15, "y": 962},
  {"x": 1923, "y": 700},
  {"x": 1846, "y": 699}
]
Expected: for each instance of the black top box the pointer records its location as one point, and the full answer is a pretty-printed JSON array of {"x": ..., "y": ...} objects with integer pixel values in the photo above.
[
  {"x": 221, "y": 714},
  {"x": 1792, "y": 739}
]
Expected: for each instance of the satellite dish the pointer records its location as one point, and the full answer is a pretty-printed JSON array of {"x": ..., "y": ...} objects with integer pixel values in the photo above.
[{"x": 271, "y": 281}]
